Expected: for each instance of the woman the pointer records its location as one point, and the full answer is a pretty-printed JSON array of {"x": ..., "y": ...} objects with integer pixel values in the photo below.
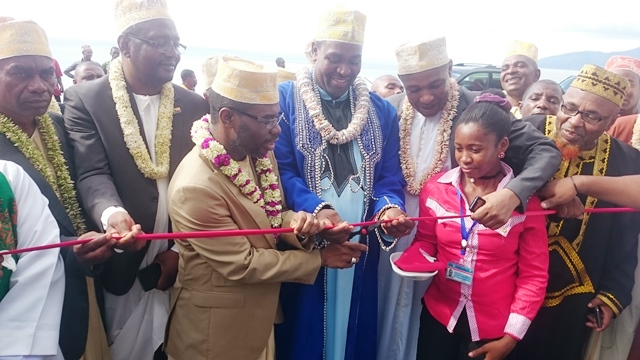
[{"x": 495, "y": 281}]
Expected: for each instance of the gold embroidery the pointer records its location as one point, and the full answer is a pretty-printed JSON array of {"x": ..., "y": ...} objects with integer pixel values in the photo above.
[
  {"x": 582, "y": 283},
  {"x": 609, "y": 304},
  {"x": 599, "y": 156},
  {"x": 612, "y": 298}
]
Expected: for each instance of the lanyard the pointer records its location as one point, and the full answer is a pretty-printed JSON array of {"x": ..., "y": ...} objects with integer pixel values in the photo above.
[{"x": 463, "y": 229}]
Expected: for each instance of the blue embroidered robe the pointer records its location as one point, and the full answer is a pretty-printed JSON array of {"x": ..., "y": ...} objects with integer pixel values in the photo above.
[{"x": 299, "y": 152}]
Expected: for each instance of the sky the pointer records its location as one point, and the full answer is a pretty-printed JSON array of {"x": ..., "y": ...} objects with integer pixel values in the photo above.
[{"x": 476, "y": 31}]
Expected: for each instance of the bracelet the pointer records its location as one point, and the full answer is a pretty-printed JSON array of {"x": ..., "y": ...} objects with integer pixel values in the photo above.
[
  {"x": 323, "y": 205},
  {"x": 574, "y": 184},
  {"x": 378, "y": 230}
]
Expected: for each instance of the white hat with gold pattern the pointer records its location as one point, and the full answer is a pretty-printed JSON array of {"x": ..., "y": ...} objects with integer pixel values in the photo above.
[
  {"x": 22, "y": 37},
  {"x": 131, "y": 12},
  {"x": 343, "y": 25},
  {"x": 246, "y": 81},
  {"x": 418, "y": 56}
]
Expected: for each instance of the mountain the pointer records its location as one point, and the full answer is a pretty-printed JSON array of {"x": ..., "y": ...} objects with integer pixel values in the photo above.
[{"x": 575, "y": 60}]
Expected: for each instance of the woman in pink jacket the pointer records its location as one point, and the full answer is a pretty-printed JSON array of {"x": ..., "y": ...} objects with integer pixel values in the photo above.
[{"x": 495, "y": 280}]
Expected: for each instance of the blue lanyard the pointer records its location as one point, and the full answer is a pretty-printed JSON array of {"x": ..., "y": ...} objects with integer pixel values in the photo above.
[{"x": 463, "y": 229}]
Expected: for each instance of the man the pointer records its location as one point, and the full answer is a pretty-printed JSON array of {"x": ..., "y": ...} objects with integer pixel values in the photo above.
[
  {"x": 115, "y": 53},
  {"x": 59, "y": 88},
  {"x": 280, "y": 62},
  {"x": 202, "y": 196},
  {"x": 31, "y": 139},
  {"x": 429, "y": 112},
  {"x": 87, "y": 71},
  {"x": 387, "y": 85},
  {"x": 123, "y": 175},
  {"x": 87, "y": 53},
  {"x": 338, "y": 156},
  {"x": 627, "y": 127},
  {"x": 628, "y": 68},
  {"x": 541, "y": 98},
  {"x": 592, "y": 260},
  {"x": 519, "y": 70},
  {"x": 32, "y": 283},
  {"x": 189, "y": 80}
]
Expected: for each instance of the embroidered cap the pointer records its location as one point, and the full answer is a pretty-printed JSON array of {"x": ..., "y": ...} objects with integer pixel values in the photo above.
[
  {"x": 517, "y": 47},
  {"x": 619, "y": 62},
  {"x": 601, "y": 82},
  {"x": 415, "y": 57},
  {"x": 342, "y": 24},
  {"x": 131, "y": 12},
  {"x": 246, "y": 81},
  {"x": 22, "y": 37}
]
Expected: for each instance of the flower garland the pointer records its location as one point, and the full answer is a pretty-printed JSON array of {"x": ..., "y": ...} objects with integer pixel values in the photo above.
[
  {"x": 441, "y": 146},
  {"x": 131, "y": 130},
  {"x": 635, "y": 139},
  {"x": 311, "y": 98},
  {"x": 60, "y": 181},
  {"x": 269, "y": 199}
]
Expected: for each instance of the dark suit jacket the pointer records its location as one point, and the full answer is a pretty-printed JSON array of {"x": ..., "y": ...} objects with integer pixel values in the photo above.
[
  {"x": 107, "y": 174},
  {"x": 533, "y": 157},
  {"x": 75, "y": 310}
]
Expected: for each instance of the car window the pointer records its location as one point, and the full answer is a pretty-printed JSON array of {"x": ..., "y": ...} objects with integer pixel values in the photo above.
[{"x": 476, "y": 81}]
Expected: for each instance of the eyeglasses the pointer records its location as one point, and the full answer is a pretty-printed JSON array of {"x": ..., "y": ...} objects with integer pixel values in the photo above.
[
  {"x": 270, "y": 123},
  {"x": 588, "y": 117},
  {"x": 164, "y": 47}
]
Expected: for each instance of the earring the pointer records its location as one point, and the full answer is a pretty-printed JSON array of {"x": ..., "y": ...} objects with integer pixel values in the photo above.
[{"x": 501, "y": 155}]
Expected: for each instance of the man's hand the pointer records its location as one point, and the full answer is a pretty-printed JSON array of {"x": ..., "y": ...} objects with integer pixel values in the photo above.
[
  {"x": 95, "y": 251},
  {"x": 496, "y": 350},
  {"x": 121, "y": 224},
  {"x": 338, "y": 234},
  {"x": 497, "y": 210},
  {"x": 561, "y": 195},
  {"x": 305, "y": 224},
  {"x": 168, "y": 261},
  {"x": 340, "y": 256},
  {"x": 606, "y": 313},
  {"x": 400, "y": 226}
]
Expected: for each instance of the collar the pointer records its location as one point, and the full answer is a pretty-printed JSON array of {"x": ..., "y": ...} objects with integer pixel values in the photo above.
[{"x": 325, "y": 96}]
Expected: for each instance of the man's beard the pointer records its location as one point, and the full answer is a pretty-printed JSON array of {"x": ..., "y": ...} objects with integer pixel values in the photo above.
[{"x": 568, "y": 151}]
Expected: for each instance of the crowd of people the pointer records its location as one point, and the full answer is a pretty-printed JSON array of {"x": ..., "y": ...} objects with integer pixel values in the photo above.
[{"x": 256, "y": 187}]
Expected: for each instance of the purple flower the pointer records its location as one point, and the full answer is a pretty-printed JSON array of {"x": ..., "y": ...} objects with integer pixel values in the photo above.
[
  {"x": 205, "y": 143},
  {"x": 273, "y": 186},
  {"x": 273, "y": 203},
  {"x": 205, "y": 120},
  {"x": 222, "y": 160}
]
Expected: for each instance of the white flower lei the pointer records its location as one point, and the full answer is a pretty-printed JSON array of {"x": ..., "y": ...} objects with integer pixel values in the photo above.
[
  {"x": 441, "y": 145},
  {"x": 269, "y": 199},
  {"x": 131, "y": 130},
  {"x": 313, "y": 104}
]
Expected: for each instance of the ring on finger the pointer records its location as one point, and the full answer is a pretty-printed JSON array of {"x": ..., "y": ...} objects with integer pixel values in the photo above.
[{"x": 353, "y": 261}]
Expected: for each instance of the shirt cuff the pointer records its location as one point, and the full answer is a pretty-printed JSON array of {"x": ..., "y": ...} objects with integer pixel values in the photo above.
[
  {"x": 175, "y": 248},
  {"x": 106, "y": 214},
  {"x": 517, "y": 326}
]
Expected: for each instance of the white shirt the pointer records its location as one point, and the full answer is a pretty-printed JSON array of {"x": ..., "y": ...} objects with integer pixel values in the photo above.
[
  {"x": 136, "y": 321},
  {"x": 30, "y": 312}
]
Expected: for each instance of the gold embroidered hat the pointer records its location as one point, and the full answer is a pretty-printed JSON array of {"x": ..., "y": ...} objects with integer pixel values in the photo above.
[
  {"x": 131, "y": 12},
  {"x": 22, "y": 37},
  {"x": 619, "y": 62},
  {"x": 415, "y": 57},
  {"x": 601, "y": 82},
  {"x": 246, "y": 81},
  {"x": 342, "y": 24},
  {"x": 517, "y": 47}
]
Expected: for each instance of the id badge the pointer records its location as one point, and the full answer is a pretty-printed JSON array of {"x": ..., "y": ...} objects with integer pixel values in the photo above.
[{"x": 460, "y": 273}]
